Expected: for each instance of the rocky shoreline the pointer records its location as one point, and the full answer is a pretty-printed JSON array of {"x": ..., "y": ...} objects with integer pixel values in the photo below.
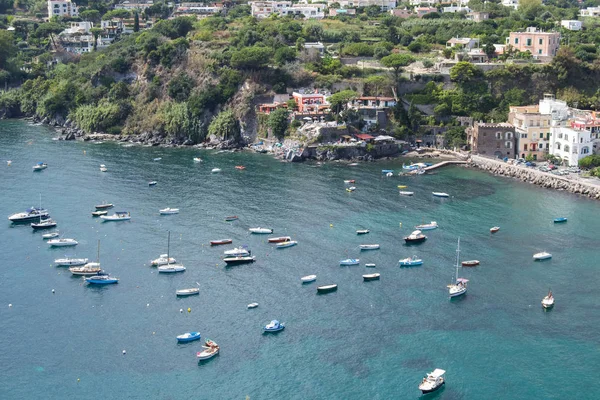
[{"x": 497, "y": 167}]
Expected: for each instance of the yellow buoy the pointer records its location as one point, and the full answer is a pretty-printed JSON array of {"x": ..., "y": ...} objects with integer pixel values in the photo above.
[
  {"x": 331, "y": 225},
  {"x": 189, "y": 309}
]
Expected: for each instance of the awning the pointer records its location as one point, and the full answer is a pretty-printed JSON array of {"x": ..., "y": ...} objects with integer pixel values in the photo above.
[{"x": 364, "y": 136}]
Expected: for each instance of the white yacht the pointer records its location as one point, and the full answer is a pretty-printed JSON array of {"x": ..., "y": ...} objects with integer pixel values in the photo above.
[
  {"x": 117, "y": 216},
  {"x": 237, "y": 252},
  {"x": 433, "y": 381},
  {"x": 542, "y": 256},
  {"x": 62, "y": 242},
  {"x": 30, "y": 214},
  {"x": 459, "y": 287},
  {"x": 169, "y": 211},
  {"x": 69, "y": 262}
]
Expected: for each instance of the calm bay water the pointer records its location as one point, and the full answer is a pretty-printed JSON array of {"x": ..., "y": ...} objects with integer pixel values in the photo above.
[{"x": 368, "y": 340}]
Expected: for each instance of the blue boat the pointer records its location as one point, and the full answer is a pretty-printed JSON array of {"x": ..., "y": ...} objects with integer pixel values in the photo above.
[
  {"x": 102, "y": 278},
  {"x": 410, "y": 262},
  {"x": 188, "y": 337},
  {"x": 274, "y": 326},
  {"x": 387, "y": 171},
  {"x": 561, "y": 219}
]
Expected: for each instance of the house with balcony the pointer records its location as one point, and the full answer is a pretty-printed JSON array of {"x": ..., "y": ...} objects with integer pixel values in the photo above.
[
  {"x": 478, "y": 16},
  {"x": 263, "y": 9},
  {"x": 373, "y": 109},
  {"x": 462, "y": 43},
  {"x": 310, "y": 101},
  {"x": 593, "y": 12},
  {"x": 532, "y": 130},
  {"x": 62, "y": 8},
  {"x": 384, "y": 5},
  {"x": 511, "y": 3},
  {"x": 138, "y": 5},
  {"x": 541, "y": 45},
  {"x": 570, "y": 24},
  {"x": 401, "y": 12}
]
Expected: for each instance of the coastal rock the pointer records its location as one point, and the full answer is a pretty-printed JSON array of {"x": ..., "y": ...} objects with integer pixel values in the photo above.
[{"x": 70, "y": 135}]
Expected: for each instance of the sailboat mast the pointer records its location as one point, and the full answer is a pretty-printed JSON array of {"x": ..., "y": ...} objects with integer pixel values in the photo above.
[
  {"x": 457, "y": 257},
  {"x": 168, "y": 246},
  {"x": 98, "y": 255}
]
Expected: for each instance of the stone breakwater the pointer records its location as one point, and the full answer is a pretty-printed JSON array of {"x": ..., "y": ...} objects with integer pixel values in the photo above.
[{"x": 589, "y": 189}]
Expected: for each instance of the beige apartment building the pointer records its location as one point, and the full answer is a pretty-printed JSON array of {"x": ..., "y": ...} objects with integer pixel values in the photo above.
[
  {"x": 532, "y": 130},
  {"x": 542, "y": 45}
]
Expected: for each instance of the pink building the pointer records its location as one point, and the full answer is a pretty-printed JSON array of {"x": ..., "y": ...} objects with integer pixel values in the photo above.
[
  {"x": 420, "y": 11},
  {"x": 542, "y": 45},
  {"x": 310, "y": 101},
  {"x": 401, "y": 12}
]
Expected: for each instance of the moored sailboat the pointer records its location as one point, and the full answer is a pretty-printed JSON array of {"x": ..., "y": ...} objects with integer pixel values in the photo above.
[{"x": 459, "y": 287}]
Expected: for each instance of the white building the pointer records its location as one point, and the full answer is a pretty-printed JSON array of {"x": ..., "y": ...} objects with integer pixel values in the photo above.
[
  {"x": 456, "y": 9},
  {"x": 385, "y": 5},
  {"x": 590, "y": 12},
  {"x": 511, "y": 3},
  {"x": 134, "y": 5},
  {"x": 62, "y": 8},
  {"x": 426, "y": 2},
  {"x": 263, "y": 9},
  {"x": 317, "y": 46},
  {"x": 570, "y": 24},
  {"x": 570, "y": 144}
]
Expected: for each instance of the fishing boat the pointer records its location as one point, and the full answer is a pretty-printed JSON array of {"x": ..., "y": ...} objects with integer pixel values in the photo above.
[
  {"x": 326, "y": 288},
  {"x": 188, "y": 337},
  {"x": 163, "y": 259},
  {"x": 117, "y": 216},
  {"x": 279, "y": 239},
  {"x": 152, "y": 183},
  {"x": 40, "y": 166},
  {"x": 433, "y": 381},
  {"x": 289, "y": 243},
  {"x": 102, "y": 278},
  {"x": 169, "y": 267},
  {"x": 187, "y": 292},
  {"x": 548, "y": 301},
  {"x": 239, "y": 260},
  {"x": 410, "y": 261},
  {"x": 350, "y": 181},
  {"x": 104, "y": 206},
  {"x": 43, "y": 224},
  {"x": 371, "y": 277},
  {"x": 215, "y": 170},
  {"x": 308, "y": 278},
  {"x": 370, "y": 265},
  {"x": 69, "y": 262},
  {"x": 252, "y": 305},
  {"x": 261, "y": 230},
  {"x": 369, "y": 247},
  {"x": 274, "y": 326},
  {"x": 350, "y": 261},
  {"x": 405, "y": 193},
  {"x": 544, "y": 255},
  {"x": 440, "y": 194},
  {"x": 169, "y": 211},
  {"x": 415, "y": 237},
  {"x": 362, "y": 231},
  {"x": 427, "y": 227},
  {"x": 62, "y": 242},
  {"x": 210, "y": 349},
  {"x": 459, "y": 287},
  {"x": 197, "y": 159},
  {"x": 220, "y": 242},
  {"x": 50, "y": 235},
  {"x": 494, "y": 229},
  {"x": 560, "y": 219},
  {"x": 231, "y": 218},
  {"x": 103, "y": 168},
  {"x": 237, "y": 252},
  {"x": 240, "y": 167},
  {"x": 470, "y": 263},
  {"x": 30, "y": 214}
]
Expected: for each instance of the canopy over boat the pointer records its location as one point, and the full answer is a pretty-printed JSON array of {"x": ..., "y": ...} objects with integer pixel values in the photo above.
[{"x": 437, "y": 373}]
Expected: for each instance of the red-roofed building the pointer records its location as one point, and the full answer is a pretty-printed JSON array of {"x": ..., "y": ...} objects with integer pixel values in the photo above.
[{"x": 364, "y": 136}]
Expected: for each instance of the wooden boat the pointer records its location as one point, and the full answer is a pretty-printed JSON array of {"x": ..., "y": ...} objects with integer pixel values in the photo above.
[
  {"x": 279, "y": 239},
  {"x": 415, "y": 237},
  {"x": 104, "y": 206},
  {"x": 117, "y": 216},
  {"x": 561, "y": 219},
  {"x": 240, "y": 167},
  {"x": 99, "y": 213},
  {"x": 326, "y": 288},
  {"x": 289, "y": 243},
  {"x": 220, "y": 242},
  {"x": 187, "y": 292},
  {"x": 470, "y": 263},
  {"x": 402, "y": 186},
  {"x": 239, "y": 260},
  {"x": 440, "y": 194},
  {"x": 369, "y": 247},
  {"x": 211, "y": 349},
  {"x": 252, "y": 305},
  {"x": 350, "y": 181},
  {"x": 494, "y": 229},
  {"x": 308, "y": 278},
  {"x": 362, "y": 231},
  {"x": 371, "y": 277},
  {"x": 231, "y": 218}
]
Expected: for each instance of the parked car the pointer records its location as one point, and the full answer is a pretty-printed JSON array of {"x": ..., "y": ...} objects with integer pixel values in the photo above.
[{"x": 551, "y": 166}]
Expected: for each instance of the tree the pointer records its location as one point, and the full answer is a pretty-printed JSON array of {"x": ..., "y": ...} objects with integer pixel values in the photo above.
[
  {"x": 136, "y": 22},
  {"x": 464, "y": 72},
  {"x": 490, "y": 50},
  {"x": 284, "y": 55},
  {"x": 96, "y": 32},
  {"x": 180, "y": 87},
  {"x": 225, "y": 126},
  {"x": 339, "y": 101},
  {"x": 116, "y": 14},
  {"x": 375, "y": 83},
  {"x": 251, "y": 57},
  {"x": 7, "y": 48},
  {"x": 530, "y": 8},
  {"x": 48, "y": 29},
  {"x": 90, "y": 15},
  {"x": 397, "y": 62},
  {"x": 278, "y": 122}
]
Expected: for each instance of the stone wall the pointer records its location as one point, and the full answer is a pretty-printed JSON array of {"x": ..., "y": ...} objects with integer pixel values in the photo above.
[{"x": 589, "y": 189}]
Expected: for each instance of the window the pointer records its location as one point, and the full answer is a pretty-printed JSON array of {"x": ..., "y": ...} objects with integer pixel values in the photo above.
[
  {"x": 525, "y": 147},
  {"x": 566, "y": 148},
  {"x": 508, "y": 145},
  {"x": 557, "y": 146},
  {"x": 516, "y": 40},
  {"x": 541, "y": 41},
  {"x": 528, "y": 42},
  {"x": 585, "y": 150},
  {"x": 508, "y": 135},
  {"x": 541, "y": 135},
  {"x": 498, "y": 135},
  {"x": 541, "y": 146},
  {"x": 539, "y": 51}
]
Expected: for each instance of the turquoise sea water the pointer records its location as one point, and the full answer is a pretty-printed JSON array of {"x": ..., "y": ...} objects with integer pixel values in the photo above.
[{"x": 368, "y": 340}]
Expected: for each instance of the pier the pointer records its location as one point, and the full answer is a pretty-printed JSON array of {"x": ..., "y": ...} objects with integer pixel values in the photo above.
[{"x": 444, "y": 163}]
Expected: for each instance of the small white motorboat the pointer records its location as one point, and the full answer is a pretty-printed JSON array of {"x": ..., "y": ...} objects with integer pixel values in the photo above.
[
  {"x": 371, "y": 277},
  {"x": 237, "y": 252},
  {"x": 283, "y": 245},
  {"x": 494, "y": 229},
  {"x": 158, "y": 159},
  {"x": 415, "y": 237},
  {"x": 350, "y": 261},
  {"x": 327, "y": 288},
  {"x": 261, "y": 230},
  {"x": 163, "y": 259},
  {"x": 50, "y": 235},
  {"x": 210, "y": 349},
  {"x": 215, "y": 170},
  {"x": 405, "y": 193},
  {"x": 40, "y": 166},
  {"x": 117, "y": 216},
  {"x": 252, "y": 305},
  {"x": 103, "y": 168},
  {"x": 370, "y": 265},
  {"x": 410, "y": 261},
  {"x": 440, "y": 194},
  {"x": 169, "y": 211},
  {"x": 308, "y": 278},
  {"x": 427, "y": 227},
  {"x": 152, "y": 183},
  {"x": 433, "y": 381},
  {"x": 197, "y": 159},
  {"x": 69, "y": 262},
  {"x": 542, "y": 256},
  {"x": 62, "y": 242},
  {"x": 187, "y": 292},
  {"x": 274, "y": 326},
  {"x": 351, "y": 189},
  {"x": 362, "y": 231},
  {"x": 171, "y": 268},
  {"x": 44, "y": 224},
  {"x": 104, "y": 206},
  {"x": 369, "y": 246},
  {"x": 548, "y": 301},
  {"x": 99, "y": 213}
]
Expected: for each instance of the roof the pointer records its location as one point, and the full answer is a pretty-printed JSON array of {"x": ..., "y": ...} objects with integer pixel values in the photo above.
[
  {"x": 437, "y": 373},
  {"x": 460, "y": 40},
  {"x": 375, "y": 98},
  {"x": 364, "y": 136},
  {"x": 383, "y": 137}
]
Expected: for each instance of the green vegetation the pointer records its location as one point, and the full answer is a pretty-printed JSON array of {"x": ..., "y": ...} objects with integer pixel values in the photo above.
[{"x": 589, "y": 162}]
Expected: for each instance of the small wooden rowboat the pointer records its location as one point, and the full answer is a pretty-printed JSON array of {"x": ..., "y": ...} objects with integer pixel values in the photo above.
[
  {"x": 470, "y": 263},
  {"x": 220, "y": 241},
  {"x": 279, "y": 239},
  {"x": 371, "y": 277},
  {"x": 231, "y": 218},
  {"x": 326, "y": 288}
]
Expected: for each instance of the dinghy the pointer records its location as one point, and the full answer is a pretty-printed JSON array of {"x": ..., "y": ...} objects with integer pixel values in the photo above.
[{"x": 308, "y": 278}]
